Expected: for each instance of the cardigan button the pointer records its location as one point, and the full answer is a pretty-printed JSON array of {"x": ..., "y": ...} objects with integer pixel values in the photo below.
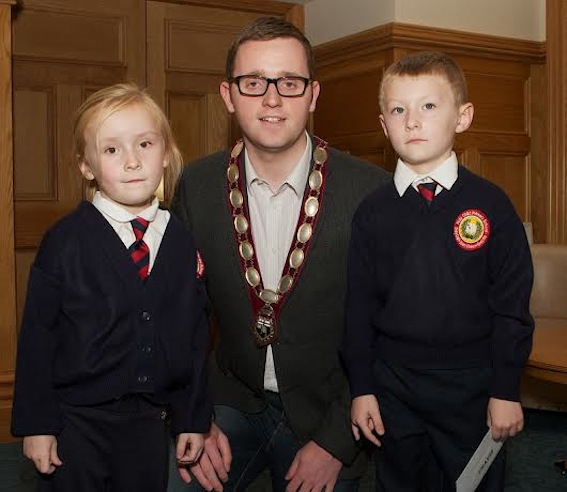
[
  {"x": 146, "y": 316},
  {"x": 142, "y": 379}
]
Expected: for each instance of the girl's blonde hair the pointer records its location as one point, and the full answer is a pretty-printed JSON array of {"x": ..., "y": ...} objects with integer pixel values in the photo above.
[{"x": 105, "y": 102}]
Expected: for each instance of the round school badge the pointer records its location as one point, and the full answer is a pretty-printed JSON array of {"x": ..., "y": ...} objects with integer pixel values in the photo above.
[{"x": 471, "y": 229}]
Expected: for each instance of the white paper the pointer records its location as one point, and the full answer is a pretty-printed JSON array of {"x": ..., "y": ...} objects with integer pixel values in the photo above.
[{"x": 479, "y": 464}]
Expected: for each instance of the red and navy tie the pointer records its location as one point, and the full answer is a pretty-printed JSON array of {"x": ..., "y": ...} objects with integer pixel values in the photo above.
[
  {"x": 139, "y": 251},
  {"x": 427, "y": 191}
]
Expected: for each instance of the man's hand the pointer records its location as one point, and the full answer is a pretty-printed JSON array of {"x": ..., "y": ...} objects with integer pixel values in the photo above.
[
  {"x": 313, "y": 469},
  {"x": 365, "y": 417},
  {"x": 505, "y": 418},
  {"x": 212, "y": 467},
  {"x": 42, "y": 450}
]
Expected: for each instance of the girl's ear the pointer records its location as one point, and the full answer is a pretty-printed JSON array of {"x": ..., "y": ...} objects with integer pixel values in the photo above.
[{"x": 86, "y": 170}]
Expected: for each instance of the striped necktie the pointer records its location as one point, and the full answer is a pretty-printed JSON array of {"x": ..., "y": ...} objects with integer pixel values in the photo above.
[
  {"x": 427, "y": 191},
  {"x": 139, "y": 251}
]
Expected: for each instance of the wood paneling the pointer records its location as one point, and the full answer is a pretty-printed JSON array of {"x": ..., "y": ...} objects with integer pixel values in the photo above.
[
  {"x": 556, "y": 28},
  {"x": 499, "y": 73},
  {"x": 96, "y": 38},
  {"x": 7, "y": 255},
  {"x": 36, "y": 174}
]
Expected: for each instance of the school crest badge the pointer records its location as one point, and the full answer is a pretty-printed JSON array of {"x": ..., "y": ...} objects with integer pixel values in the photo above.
[{"x": 471, "y": 229}]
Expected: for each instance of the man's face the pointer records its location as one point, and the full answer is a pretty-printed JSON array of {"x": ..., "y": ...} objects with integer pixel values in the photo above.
[{"x": 271, "y": 124}]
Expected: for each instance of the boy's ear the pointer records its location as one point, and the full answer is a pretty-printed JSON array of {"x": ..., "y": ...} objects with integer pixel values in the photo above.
[
  {"x": 86, "y": 170},
  {"x": 466, "y": 113}
]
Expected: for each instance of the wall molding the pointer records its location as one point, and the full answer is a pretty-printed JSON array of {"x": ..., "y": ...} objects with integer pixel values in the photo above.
[{"x": 413, "y": 37}]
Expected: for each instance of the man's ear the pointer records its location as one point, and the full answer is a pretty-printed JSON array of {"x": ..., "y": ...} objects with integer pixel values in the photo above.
[
  {"x": 226, "y": 96},
  {"x": 315, "y": 91},
  {"x": 86, "y": 170},
  {"x": 466, "y": 113}
]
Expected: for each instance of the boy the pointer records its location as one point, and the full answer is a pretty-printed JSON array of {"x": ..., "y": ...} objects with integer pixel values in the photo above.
[
  {"x": 114, "y": 333},
  {"x": 440, "y": 274}
]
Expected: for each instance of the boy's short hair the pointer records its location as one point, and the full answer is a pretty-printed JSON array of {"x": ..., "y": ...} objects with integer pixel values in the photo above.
[
  {"x": 105, "y": 102},
  {"x": 428, "y": 63},
  {"x": 266, "y": 29}
]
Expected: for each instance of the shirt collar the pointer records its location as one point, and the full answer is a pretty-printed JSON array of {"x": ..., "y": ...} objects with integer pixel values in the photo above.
[
  {"x": 445, "y": 174},
  {"x": 296, "y": 179},
  {"x": 119, "y": 214}
]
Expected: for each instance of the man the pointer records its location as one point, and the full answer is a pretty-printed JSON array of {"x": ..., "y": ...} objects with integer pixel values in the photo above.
[{"x": 271, "y": 217}]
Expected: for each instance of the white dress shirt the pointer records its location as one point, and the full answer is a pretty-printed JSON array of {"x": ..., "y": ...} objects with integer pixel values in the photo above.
[
  {"x": 445, "y": 174},
  {"x": 273, "y": 218}
]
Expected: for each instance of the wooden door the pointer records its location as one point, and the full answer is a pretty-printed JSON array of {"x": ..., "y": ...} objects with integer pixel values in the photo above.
[
  {"x": 187, "y": 43},
  {"x": 63, "y": 51}
]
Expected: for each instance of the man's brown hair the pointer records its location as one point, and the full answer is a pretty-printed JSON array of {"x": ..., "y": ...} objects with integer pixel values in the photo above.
[{"x": 266, "y": 29}]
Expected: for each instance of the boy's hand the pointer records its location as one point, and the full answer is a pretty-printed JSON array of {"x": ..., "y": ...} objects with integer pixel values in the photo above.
[
  {"x": 189, "y": 447},
  {"x": 365, "y": 416},
  {"x": 505, "y": 418},
  {"x": 42, "y": 450}
]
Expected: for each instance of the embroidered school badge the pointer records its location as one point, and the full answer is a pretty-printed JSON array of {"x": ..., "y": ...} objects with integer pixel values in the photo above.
[
  {"x": 200, "y": 265},
  {"x": 471, "y": 229}
]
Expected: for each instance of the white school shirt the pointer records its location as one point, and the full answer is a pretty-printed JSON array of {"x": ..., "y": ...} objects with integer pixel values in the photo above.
[
  {"x": 120, "y": 218},
  {"x": 273, "y": 218},
  {"x": 445, "y": 174}
]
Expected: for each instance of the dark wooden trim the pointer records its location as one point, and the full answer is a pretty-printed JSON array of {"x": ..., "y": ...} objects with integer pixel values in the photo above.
[
  {"x": 267, "y": 7},
  {"x": 8, "y": 330},
  {"x": 556, "y": 22},
  {"x": 411, "y": 37}
]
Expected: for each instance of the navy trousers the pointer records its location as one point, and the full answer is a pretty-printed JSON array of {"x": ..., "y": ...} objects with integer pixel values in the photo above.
[
  {"x": 434, "y": 421},
  {"x": 113, "y": 447}
]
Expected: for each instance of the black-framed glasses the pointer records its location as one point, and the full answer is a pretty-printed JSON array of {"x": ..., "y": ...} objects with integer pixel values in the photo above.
[{"x": 256, "y": 85}]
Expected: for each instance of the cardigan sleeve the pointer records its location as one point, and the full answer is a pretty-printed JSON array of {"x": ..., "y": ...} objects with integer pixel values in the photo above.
[
  {"x": 191, "y": 406},
  {"x": 36, "y": 407}
]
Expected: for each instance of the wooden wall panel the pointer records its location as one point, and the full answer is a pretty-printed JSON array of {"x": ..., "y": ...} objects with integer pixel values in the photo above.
[
  {"x": 35, "y": 175},
  {"x": 556, "y": 30},
  {"x": 198, "y": 46},
  {"x": 500, "y": 104},
  {"x": 185, "y": 114},
  {"x": 510, "y": 172},
  {"x": 95, "y": 38},
  {"x": 7, "y": 255},
  {"x": 360, "y": 114},
  {"x": 499, "y": 73}
]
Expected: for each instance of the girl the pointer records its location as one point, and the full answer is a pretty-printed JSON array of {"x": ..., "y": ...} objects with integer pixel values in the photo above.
[{"x": 114, "y": 333}]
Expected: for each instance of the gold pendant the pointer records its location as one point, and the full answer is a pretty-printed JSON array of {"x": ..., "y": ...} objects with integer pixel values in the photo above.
[{"x": 264, "y": 329}]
